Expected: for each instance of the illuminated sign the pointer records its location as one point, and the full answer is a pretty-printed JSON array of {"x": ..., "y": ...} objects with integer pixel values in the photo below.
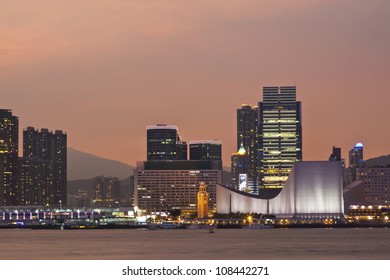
[{"x": 243, "y": 182}]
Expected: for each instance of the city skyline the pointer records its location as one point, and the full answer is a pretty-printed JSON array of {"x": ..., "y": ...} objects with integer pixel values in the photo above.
[{"x": 130, "y": 65}]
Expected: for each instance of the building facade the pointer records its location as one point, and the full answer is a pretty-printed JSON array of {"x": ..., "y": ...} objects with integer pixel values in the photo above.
[
  {"x": 336, "y": 156},
  {"x": 206, "y": 150},
  {"x": 163, "y": 186},
  {"x": 355, "y": 160},
  {"x": 164, "y": 143},
  {"x": 36, "y": 180},
  {"x": 107, "y": 192},
  {"x": 240, "y": 164},
  {"x": 43, "y": 168},
  {"x": 280, "y": 135},
  {"x": 9, "y": 144},
  {"x": 245, "y": 164},
  {"x": 313, "y": 189},
  {"x": 376, "y": 184}
]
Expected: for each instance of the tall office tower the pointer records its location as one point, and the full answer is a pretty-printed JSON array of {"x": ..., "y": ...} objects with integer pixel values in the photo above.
[
  {"x": 356, "y": 155},
  {"x": 107, "y": 192},
  {"x": 45, "y": 161},
  {"x": 60, "y": 160},
  {"x": 9, "y": 142},
  {"x": 240, "y": 164},
  {"x": 336, "y": 154},
  {"x": 164, "y": 143},
  {"x": 355, "y": 159},
  {"x": 247, "y": 137},
  {"x": 206, "y": 150},
  {"x": 280, "y": 135}
]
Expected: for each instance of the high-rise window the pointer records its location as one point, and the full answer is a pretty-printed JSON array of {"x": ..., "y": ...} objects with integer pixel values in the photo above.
[{"x": 280, "y": 135}]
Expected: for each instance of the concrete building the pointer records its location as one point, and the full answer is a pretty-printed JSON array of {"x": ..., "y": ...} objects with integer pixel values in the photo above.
[
  {"x": 162, "y": 186},
  {"x": 9, "y": 144},
  {"x": 313, "y": 189},
  {"x": 376, "y": 183},
  {"x": 43, "y": 177}
]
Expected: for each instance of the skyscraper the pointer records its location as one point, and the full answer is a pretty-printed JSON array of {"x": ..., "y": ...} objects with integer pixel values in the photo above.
[
  {"x": 43, "y": 177},
  {"x": 9, "y": 142},
  {"x": 245, "y": 161},
  {"x": 355, "y": 159},
  {"x": 336, "y": 154},
  {"x": 240, "y": 164},
  {"x": 60, "y": 160},
  {"x": 205, "y": 150},
  {"x": 356, "y": 155},
  {"x": 164, "y": 143},
  {"x": 280, "y": 135}
]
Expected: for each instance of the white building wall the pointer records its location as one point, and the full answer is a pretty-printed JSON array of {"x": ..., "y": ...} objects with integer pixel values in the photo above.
[{"x": 312, "y": 188}]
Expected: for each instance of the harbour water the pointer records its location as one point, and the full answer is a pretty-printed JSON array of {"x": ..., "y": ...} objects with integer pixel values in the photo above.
[{"x": 185, "y": 244}]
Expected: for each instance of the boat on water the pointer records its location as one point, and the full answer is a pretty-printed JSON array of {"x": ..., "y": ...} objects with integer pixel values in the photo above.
[
  {"x": 258, "y": 226},
  {"x": 171, "y": 225}
]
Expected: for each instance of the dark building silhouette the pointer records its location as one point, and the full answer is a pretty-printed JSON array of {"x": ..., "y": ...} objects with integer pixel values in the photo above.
[
  {"x": 355, "y": 160},
  {"x": 43, "y": 168},
  {"x": 60, "y": 160},
  {"x": 107, "y": 192},
  {"x": 206, "y": 150},
  {"x": 247, "y": 137},
  {"x": 336, "y": 154},
  {"x": 280, "y": 135},
  {"x": 240, "y": 164},
  {"x": 356, "y": 155},
  {"x": 164, "y": 143},
  {"x": 9, "y": 143}
]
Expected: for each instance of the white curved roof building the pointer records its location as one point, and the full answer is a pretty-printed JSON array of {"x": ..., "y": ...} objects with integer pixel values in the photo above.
[{"x": 313, "y": 189}]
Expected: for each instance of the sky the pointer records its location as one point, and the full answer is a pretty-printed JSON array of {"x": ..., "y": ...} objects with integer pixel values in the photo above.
[{"x": 103, "y": 70}]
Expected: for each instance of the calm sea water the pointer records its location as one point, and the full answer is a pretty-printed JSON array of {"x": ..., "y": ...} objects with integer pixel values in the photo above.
[{"x": 305, "y": 244}]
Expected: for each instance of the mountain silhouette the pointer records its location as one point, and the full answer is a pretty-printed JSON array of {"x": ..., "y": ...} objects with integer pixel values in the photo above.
[{"x": 86, "y": 166}]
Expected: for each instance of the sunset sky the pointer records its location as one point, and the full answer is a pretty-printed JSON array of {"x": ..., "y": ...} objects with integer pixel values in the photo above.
[{"x": 103, "y": 70}]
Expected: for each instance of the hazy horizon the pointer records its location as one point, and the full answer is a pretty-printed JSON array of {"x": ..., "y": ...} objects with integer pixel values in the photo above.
[{"x": 102, "y": 71}]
